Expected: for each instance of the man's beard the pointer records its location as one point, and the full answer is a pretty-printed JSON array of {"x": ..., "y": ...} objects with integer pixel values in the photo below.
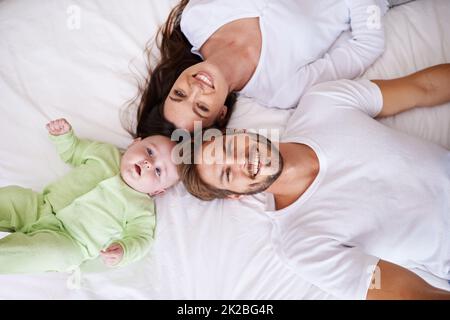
[
  {"x": 270, "y": 179},
  {"x": 265, "y": 184}
]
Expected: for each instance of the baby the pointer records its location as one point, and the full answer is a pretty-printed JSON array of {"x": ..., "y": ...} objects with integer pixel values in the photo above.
[{"x": 102, "y": 207}]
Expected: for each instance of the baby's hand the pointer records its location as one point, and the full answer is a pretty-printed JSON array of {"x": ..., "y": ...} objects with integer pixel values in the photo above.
[
  {"x": 112, "y": 255},
  {"x": 58, "y": 127}
]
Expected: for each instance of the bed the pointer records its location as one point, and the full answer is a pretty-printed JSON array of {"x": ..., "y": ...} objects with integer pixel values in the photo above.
[{"x": 82, "y": 60}]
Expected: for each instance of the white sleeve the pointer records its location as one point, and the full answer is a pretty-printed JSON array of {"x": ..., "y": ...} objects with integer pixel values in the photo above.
[
  {"x": 344, "y": 272},
  {"x": 361, "y": 94},
  {"x": 352, "y": 57}
]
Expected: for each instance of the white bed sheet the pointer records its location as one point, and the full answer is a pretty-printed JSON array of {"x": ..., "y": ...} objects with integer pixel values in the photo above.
[{"x": 202, "y": 250}]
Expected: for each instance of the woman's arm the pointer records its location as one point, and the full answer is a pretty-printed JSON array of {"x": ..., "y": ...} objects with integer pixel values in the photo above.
[
  {"x": 350, "y": 59},
  {"x": 395, "y": 282}
]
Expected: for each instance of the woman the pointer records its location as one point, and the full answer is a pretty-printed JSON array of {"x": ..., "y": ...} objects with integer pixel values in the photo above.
[{"x": 268, "y": 50}]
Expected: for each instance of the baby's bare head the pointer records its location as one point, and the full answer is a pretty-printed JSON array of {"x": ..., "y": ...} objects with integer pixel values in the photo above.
[{"x": 147, "y": 166}]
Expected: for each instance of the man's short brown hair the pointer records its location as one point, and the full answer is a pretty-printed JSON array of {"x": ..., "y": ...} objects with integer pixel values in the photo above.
[{"x": 189, "y": 175}]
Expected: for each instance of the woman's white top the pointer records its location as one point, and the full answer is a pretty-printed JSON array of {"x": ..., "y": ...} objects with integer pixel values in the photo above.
[{"x": 296, "y": 39}]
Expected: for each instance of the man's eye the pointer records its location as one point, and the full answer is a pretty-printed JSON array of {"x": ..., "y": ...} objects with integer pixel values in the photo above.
[
  {"x": 179, "y": 93},
  {"x": 158, "y": 172},
  {"x": 150, "y": 152}
]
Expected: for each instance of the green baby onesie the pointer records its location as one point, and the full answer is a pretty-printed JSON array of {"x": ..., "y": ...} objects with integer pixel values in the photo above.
[{"x": 76, "y": 216}]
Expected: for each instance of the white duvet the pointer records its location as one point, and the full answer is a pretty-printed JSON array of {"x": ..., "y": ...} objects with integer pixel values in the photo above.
[{"x": 79, "y": 60}]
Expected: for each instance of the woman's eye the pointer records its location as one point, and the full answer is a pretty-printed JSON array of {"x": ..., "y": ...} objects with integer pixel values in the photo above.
[
  {"x": 179, "y": 93},
  {"x": 203, "y": 108},
  {"x": 158, "y": 172},
  {"x": 150, "y": 152}
]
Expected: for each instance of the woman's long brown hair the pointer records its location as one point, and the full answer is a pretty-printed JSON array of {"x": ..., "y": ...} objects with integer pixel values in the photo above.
[{"x": 176, "y": 56}]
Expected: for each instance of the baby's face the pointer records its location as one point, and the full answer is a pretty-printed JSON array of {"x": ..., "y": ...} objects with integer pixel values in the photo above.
[{"x": 147, "y": 166}]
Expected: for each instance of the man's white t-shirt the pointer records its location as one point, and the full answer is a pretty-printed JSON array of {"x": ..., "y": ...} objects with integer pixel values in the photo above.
[{"x": 379, "y": 194}]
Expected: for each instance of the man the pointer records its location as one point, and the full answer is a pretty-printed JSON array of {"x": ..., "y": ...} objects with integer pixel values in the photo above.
[{"x": 353, "y": 200}]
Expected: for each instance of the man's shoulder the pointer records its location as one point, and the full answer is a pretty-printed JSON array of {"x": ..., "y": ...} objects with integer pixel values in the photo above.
[
  {"x": 323, "y": 96},
  {"x": 323, "y": 99},
  {"x": 339, "y": 89}
]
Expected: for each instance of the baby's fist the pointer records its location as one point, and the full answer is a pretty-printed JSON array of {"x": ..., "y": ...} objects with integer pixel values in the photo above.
[
  {"x": 112, "y": 255},
  {"x": 58, "y": 127}
]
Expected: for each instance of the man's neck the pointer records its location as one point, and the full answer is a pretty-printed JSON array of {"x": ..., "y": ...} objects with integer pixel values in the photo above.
[{"x": 300, "y": 169}]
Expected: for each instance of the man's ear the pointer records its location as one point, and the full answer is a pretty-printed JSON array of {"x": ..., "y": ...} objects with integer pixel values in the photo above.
[
  {"x": 157, "y": 192},
  {"x": 235, "y": 196}
]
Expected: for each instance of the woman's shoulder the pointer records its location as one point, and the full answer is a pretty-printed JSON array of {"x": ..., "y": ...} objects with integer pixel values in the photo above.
[
  {"x": 201, "y": 18},
  {"x": 219, "y": 7}
]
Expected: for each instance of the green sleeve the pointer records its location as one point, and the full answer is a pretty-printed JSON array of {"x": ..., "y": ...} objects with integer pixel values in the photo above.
[
  {"x": 138, "y": 237},
  {"x": 75, "y": 151}
]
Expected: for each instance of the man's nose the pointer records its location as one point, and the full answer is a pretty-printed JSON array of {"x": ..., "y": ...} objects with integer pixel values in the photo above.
[
  {"x": 233, "y": 157},
  {"x": 237, "y": 164},
  {"x": 239, "y": 171}
]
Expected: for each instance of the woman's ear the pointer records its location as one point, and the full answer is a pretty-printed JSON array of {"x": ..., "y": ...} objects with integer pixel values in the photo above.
[{"x": 222, "y": 114}]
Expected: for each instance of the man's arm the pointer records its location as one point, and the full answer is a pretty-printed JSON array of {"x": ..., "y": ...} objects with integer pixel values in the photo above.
[
  {"x": 426, "y": 88},
  {"x": 396, "y": 282}
]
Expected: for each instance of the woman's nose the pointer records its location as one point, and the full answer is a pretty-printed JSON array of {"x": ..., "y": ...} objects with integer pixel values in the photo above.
[
  {"x": 194, "y": 94},
  {"x": 196, "y": 88}
]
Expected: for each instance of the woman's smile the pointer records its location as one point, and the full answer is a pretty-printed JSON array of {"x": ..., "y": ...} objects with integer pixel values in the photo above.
[{"x": 205, "y": 78}]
